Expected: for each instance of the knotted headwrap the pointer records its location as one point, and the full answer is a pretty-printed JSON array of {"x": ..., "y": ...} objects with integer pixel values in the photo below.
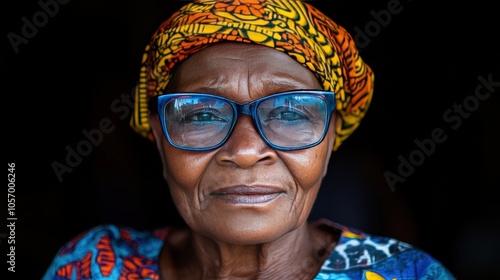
[{"x": 290, "y": 26}]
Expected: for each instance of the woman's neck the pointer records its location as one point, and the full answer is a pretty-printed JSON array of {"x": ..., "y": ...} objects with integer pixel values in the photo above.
[{"x": 298, "y": 254}]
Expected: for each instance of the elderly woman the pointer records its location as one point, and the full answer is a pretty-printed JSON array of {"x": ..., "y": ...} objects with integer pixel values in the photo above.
[{"x": 245, "y": 101}]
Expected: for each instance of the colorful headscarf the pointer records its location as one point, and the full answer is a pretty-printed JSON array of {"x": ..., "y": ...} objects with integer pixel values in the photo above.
[{"x": 290, "y": 26}]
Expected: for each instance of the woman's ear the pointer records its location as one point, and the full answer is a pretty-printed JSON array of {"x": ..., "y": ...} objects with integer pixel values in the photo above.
[
  {"x": 155, "y": 126},
  {"x": 332, "y": 130},
  {"x": 331, "y": 137}
]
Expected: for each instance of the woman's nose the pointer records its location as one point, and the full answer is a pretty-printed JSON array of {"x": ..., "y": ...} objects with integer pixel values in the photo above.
[{"x": 245, "y": 147}]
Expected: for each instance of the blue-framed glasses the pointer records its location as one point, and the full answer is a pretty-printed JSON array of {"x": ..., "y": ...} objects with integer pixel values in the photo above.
[{"x": 286, "y": 121}]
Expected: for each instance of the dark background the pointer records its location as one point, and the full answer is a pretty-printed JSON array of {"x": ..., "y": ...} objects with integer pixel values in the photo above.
[{"x": 427, "y": 58}]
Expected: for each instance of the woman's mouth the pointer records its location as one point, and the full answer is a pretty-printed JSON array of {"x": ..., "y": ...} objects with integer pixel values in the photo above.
[{"x": 247, "y": 194}]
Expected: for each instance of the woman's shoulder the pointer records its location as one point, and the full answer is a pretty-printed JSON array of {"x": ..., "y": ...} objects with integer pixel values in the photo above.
[
  {"x": 359, "y": 255},
  {"x": 109, "y": 251}
]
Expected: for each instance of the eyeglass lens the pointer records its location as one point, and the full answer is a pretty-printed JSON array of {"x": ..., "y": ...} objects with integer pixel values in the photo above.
[{"x": 284, "y": 120}]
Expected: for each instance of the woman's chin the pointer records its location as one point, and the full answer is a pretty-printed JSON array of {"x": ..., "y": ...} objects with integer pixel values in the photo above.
[
  {"x": 251, "y": 235},
  {"x": 240, "y": 225}
]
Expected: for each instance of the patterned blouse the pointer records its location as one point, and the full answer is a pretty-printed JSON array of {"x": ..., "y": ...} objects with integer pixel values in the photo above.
[{"x": 111, "y": 252}]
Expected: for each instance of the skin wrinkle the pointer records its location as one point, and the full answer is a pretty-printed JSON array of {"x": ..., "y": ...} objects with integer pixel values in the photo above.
[
  {"x": 244, "y": 241},
  {"x": 267, "y": 86},
  {"x": 261, "y": 260}
]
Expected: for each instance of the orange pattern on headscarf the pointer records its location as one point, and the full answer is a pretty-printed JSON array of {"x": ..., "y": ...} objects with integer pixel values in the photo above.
[{"x": 290, "y": 26}]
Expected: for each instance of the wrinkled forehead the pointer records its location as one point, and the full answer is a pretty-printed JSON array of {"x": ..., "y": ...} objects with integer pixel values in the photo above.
[{"x": 249, "y": 69}]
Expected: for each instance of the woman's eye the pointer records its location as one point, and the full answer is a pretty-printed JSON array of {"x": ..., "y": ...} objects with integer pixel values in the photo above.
[
  {"x": 286, "y": 114},
  {"x": 203, "y": 117}
]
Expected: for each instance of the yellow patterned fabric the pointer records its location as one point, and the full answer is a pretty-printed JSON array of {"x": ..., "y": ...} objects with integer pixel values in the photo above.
[{"x": 290, "y": 26}]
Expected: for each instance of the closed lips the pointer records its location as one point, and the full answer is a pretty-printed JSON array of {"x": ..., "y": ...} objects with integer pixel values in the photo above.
[{"x": 247, "y": 194}]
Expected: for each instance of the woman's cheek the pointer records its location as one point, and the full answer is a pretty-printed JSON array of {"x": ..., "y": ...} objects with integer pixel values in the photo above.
[
  {"x": 313, "y": 161},
  {"x": 184, "y": 171}
]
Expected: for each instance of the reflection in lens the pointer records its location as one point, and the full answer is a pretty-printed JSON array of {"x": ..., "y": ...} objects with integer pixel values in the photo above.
[
  {"x": 292, "y": 120},
  {"x": 198, "y": 122}
]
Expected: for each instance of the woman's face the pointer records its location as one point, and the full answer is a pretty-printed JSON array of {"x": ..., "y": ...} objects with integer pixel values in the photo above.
[{"x": 243, "y": 192}]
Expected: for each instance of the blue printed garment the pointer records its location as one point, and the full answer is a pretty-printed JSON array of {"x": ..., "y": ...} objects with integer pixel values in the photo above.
[{"x": 111, "y": 252}]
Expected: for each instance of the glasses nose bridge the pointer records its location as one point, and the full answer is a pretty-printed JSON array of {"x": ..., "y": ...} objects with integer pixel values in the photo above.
[{"x": 246, "y": 108}]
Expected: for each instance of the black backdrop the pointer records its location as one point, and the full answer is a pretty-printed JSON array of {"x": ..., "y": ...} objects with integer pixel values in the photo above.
[{"x": 66, "y": 76}]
